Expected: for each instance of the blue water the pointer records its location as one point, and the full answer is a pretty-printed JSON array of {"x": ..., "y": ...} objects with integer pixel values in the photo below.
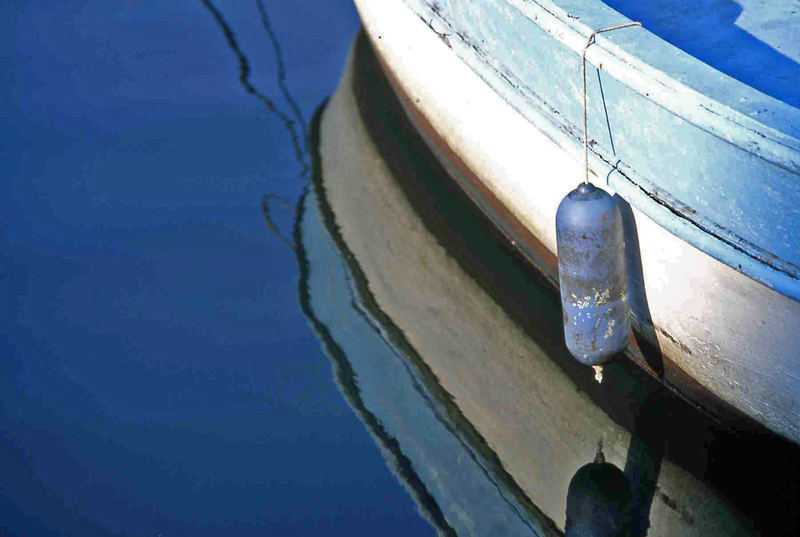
[{"x": 158, "y": 376}]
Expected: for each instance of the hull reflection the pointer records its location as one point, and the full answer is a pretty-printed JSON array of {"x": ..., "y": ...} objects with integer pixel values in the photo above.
[{"x": 457, "y": 482}]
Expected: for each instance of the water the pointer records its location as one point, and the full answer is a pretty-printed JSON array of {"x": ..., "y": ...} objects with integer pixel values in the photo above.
[
  {"x": 158, "y": 375},
  {"x": 208, "y": 331}
]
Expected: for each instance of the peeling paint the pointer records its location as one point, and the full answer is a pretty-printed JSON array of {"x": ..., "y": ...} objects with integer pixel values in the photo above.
[{"x": 610, "y": 329}]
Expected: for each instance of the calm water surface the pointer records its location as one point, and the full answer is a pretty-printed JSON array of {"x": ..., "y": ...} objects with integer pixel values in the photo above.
[
  {"x": 158, "y": 376},
  {"x": 212, "y": 326}
]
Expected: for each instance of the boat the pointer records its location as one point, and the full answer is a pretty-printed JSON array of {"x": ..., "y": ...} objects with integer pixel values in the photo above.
[
  {"x": 693, "y": 126},
  {"x": 440, "y": 338}
]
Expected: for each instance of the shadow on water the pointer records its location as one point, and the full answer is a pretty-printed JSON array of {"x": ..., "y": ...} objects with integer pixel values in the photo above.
[
  {"x": 707, "y": 30},
  {"x": 765, "y": 486}
]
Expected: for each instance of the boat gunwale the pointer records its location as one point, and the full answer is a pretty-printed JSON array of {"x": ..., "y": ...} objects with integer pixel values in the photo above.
[
  {"x": 712, "y": 115},
  {"x": 721, "y": 243}
]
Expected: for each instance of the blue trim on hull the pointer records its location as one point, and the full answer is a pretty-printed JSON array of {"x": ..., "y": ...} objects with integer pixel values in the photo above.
[{"x": 712, "y": 175}]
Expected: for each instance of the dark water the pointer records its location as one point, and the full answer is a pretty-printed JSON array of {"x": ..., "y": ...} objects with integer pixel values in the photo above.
[
  {"x": 192, "y": 340},
  {"x": 158, "y": 376}
]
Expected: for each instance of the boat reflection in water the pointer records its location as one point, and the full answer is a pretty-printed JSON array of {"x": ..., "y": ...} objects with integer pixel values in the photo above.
[{"x": 449, "y": 348}]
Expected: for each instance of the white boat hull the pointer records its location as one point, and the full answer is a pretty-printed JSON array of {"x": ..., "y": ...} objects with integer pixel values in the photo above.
[{"x": 732, "y": 335}]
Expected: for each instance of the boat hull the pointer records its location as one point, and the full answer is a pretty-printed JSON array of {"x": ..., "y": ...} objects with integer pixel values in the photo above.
[
  {"x": 708, "y": 328},
  {"x": 441, "y": 348}
]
